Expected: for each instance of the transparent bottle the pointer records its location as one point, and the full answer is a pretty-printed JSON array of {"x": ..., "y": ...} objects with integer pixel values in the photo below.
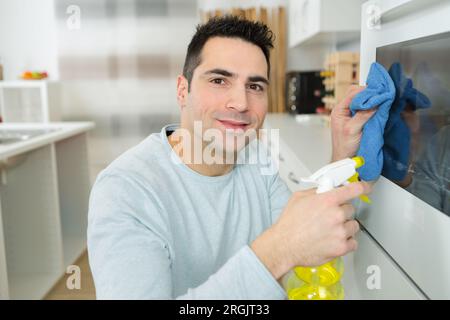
[
  {"x": 317, "y": 283},
  {"x": 324, "y": 282}
]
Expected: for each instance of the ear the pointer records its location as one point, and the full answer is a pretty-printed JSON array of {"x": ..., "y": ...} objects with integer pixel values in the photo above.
[{"x": 182, "y": 90}]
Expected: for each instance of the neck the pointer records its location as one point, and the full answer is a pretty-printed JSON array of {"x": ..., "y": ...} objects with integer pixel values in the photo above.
[{"x": 211, "y": 170}]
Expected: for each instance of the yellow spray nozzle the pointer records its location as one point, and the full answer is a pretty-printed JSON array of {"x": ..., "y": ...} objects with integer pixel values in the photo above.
[
  {"x": 365, "y": 198},
  {"x": 354, "y": 178},
  {"x": 359, "y": 161}
]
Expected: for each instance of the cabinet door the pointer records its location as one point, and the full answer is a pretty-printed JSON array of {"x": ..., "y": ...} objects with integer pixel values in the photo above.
[{"x": 304, "y": 20}]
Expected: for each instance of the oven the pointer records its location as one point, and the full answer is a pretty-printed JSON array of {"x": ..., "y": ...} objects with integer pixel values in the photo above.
[{"x": 409, "y": 216}]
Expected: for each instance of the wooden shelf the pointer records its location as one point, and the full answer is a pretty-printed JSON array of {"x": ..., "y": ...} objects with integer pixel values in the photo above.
[{"x": 341, "y": 71}]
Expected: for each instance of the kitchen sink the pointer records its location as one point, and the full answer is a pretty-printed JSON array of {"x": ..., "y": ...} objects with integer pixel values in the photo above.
[{"x": 8, "y": 136}]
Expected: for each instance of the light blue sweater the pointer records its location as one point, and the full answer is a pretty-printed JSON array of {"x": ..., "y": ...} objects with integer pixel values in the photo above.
[{"x": 159, "y": 230}]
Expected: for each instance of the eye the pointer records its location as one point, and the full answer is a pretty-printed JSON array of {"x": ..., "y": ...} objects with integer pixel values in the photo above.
[
  {"x": 256, "y": 87},
  {"x": 218, "y": 81}
]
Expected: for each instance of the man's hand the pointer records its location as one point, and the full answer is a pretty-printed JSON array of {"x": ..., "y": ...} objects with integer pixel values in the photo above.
[
  {"x": 346, "y": 131},
  {"x": 313, "y": 229}
]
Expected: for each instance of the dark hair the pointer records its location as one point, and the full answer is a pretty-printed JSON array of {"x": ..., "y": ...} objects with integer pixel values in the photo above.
[{"x": 228, "y": 27}]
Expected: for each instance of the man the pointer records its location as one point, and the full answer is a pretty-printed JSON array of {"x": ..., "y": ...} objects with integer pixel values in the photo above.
[{"x": 164, "y": 226}]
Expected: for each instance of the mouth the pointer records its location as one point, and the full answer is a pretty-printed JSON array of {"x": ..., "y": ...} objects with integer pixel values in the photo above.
[{"x": 233, "y": 124}]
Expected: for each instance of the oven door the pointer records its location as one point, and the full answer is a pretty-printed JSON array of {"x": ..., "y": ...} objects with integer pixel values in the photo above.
[{"x": 414, "y": 230}]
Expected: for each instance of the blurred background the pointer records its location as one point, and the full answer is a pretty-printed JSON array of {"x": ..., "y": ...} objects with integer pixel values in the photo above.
[{"x": 118, "y": 69}]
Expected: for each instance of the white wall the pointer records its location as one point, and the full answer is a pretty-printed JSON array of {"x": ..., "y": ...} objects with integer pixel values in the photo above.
[
  {"x": 207, "y": 5},
  {"x": 28, "y": 37}
]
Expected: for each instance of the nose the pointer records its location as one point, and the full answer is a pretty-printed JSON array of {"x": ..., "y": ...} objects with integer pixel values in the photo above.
[{"x": 238, "y": 100}]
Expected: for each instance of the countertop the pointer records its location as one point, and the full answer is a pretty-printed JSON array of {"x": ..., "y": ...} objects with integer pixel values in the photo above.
[
  {"x": 62, "y": 130},
  {"x": 308, "y": 136}
]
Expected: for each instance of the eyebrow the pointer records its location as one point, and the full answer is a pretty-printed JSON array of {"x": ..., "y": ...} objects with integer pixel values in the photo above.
[{"x": 227, "y": 73}]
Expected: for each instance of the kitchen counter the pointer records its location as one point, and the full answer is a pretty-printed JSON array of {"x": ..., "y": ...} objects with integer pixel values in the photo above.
[
  {"x": 59, "y": 131},
  {"x": 311, "y": 134}
]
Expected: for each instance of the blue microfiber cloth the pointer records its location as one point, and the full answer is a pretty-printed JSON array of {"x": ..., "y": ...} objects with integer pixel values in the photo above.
[
  {"x": 397, "y": 135},
  {"x": 380, "y": 92}
]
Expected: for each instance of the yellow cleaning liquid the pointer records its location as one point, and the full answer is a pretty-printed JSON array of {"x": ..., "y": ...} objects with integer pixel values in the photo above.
[
  {"x": 322, "y": 282},
  {"x": 318, "y": 283}
]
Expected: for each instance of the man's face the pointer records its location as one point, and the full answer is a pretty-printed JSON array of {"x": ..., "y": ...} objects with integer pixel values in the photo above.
[{"x": 228, "y": 91}]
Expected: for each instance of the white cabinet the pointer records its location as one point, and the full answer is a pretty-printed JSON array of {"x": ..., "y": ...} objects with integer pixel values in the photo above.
[
  {"x": 304, "y": 20},
  {"x": 72, "y": 165},
  {"x": 323, "y": 21},
  {"x": 44, "y": 191},
  {"x": 32, "y": 237}
]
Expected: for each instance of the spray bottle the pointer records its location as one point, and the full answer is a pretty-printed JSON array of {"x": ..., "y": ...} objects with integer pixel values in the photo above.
[{"x": 324, "y": 282}]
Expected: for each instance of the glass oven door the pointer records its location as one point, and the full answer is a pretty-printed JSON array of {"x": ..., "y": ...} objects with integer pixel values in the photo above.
[{"x": 409, "y": 215}]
